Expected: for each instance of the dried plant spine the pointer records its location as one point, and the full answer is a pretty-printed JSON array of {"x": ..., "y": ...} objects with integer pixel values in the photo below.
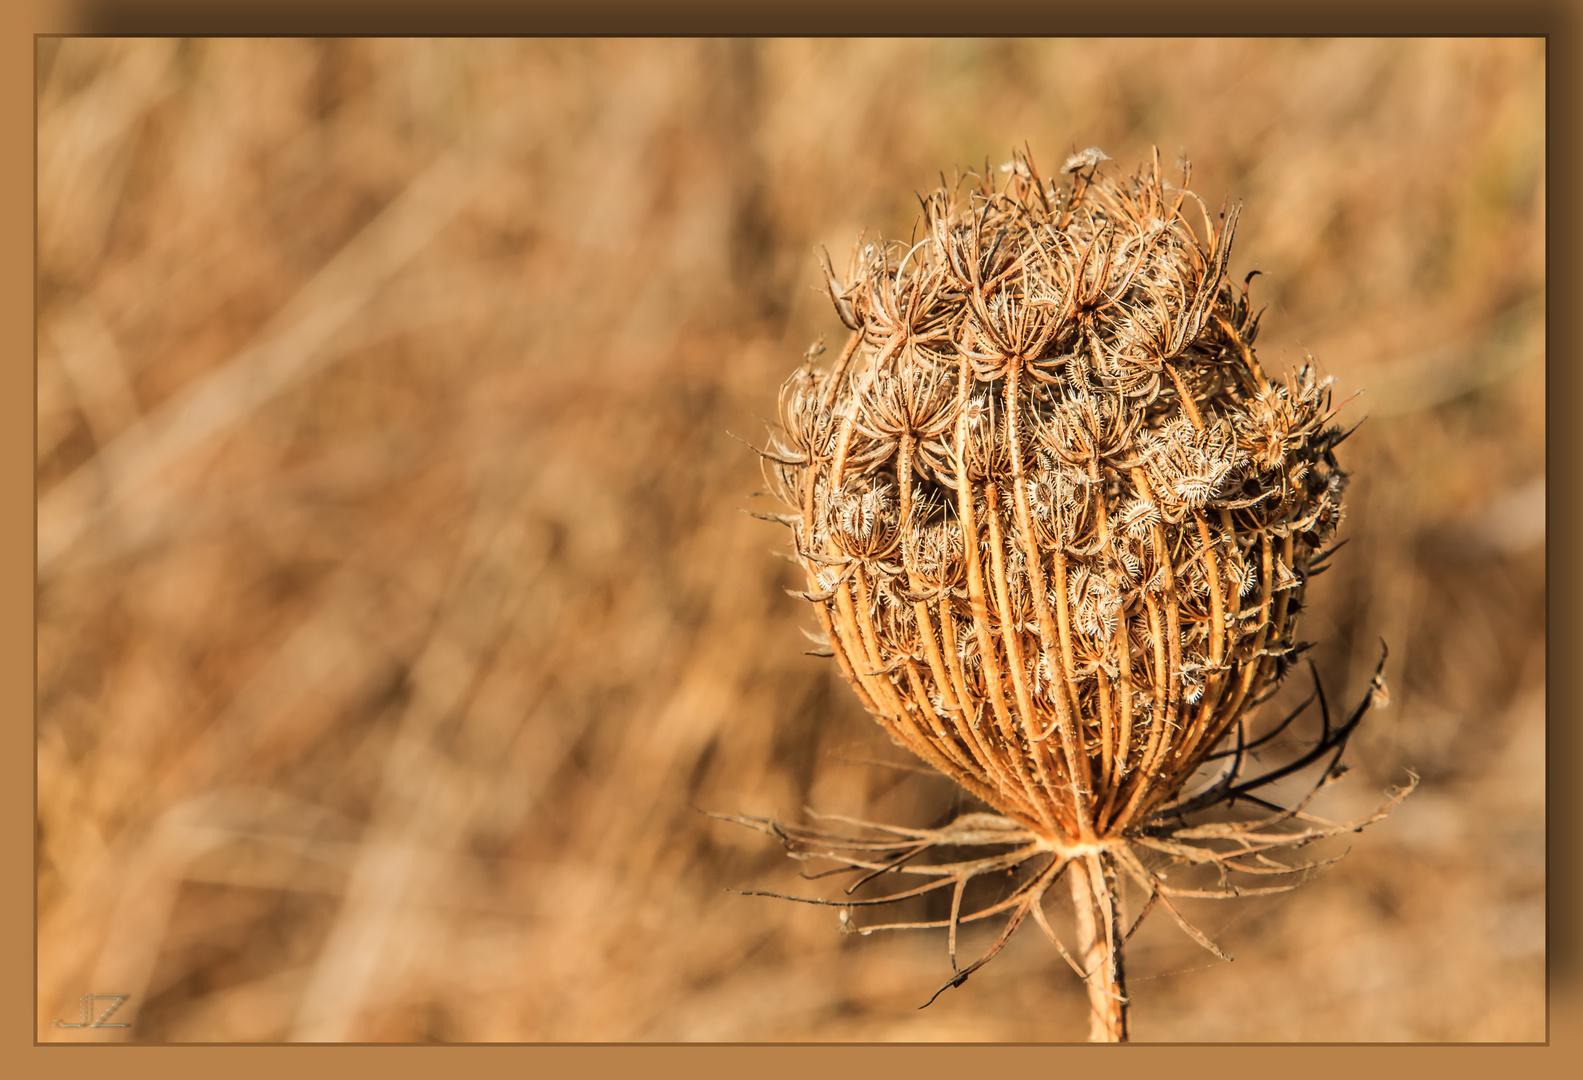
[{"x": 1057, "y": 523}]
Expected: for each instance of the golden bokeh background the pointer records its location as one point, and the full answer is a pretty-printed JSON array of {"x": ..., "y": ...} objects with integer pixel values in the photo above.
[{"x": 396, "y": 612}]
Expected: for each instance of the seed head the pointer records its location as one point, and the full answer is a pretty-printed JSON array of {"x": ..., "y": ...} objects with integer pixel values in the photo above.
[
  {"x": 1050, "y": 423},
  {"x": 1058, "y": 523}
]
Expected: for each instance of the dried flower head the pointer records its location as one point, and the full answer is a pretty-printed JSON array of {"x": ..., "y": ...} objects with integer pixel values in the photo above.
[{"x": 1057, "y": 523}]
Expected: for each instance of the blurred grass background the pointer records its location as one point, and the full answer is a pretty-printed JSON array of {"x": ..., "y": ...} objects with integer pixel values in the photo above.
[{"x": 394, "y": 606}]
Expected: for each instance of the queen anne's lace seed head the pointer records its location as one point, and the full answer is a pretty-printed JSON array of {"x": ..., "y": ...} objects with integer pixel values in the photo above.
[
  {"x": 1056, "y": 517},
  {"x": 1052, "y": 432}
]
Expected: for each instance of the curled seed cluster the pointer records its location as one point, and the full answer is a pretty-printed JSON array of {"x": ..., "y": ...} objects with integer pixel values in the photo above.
[{"x": 1056, "y": 519}]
